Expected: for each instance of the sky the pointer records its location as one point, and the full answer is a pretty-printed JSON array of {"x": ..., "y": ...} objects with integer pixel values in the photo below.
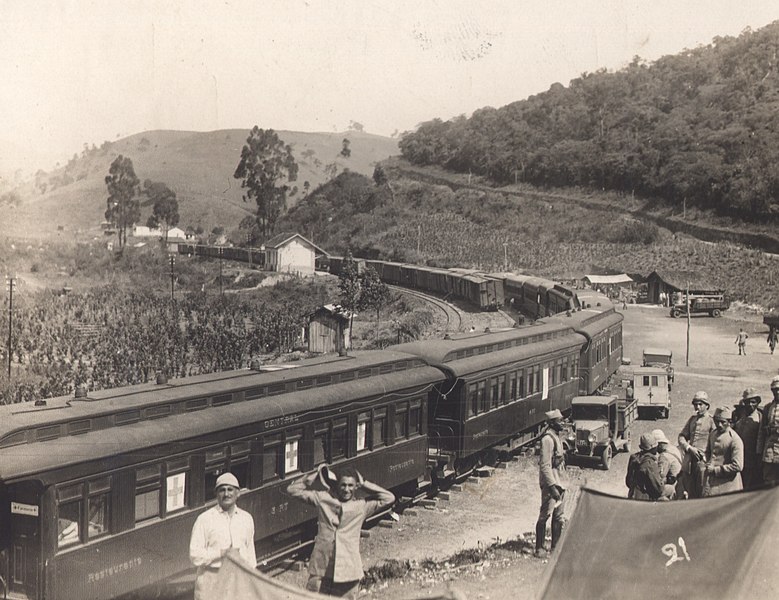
[{"x": 86, "y": 71}]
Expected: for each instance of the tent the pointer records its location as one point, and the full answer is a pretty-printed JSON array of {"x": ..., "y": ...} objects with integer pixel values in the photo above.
[
  {"x": 608, "y": 279},
  {"x": 718, "y": 547},
  {"x": 238, "y": 581}
]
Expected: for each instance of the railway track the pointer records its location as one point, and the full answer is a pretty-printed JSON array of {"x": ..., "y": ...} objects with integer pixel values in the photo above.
[{"x": 454, "y": 316}]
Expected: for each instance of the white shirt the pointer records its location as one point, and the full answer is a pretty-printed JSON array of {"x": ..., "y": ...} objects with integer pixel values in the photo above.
[{"x": 217, "y": 530}]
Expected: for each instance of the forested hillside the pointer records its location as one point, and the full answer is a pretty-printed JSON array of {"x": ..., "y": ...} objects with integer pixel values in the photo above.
[{"x": 701, "y": 126}]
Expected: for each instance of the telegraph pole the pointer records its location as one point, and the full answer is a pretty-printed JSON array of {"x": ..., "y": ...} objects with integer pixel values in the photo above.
[
  {"x": 687, "y": 362},
  {"x": 249, "y": 246},
  {"x": 505, "y": 257},
  {"x": 221, "y": 253},
  {"x": 10, "y": 281},
  {"x": 172, "y": 259}
]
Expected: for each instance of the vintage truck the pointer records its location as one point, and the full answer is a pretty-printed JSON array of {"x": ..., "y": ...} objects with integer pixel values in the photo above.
[
  {"x": 660, "y": 357},
  {"x": 600, "y": 427},
  {"x": 712, "y": 305},
  {"x": 651, "y": 391}
]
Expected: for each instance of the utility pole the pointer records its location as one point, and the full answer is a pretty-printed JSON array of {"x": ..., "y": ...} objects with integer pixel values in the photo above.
[
  {"x": 249, "y": 246},
  {"x": 10, "y": 281},
  {"x": 419, "y": 237},
  {"x": 505, "y": 256},
  {"x": 172, "y": 259},
  {"x": 687, "y": 362},
  {"x": 221, "y": 254}
]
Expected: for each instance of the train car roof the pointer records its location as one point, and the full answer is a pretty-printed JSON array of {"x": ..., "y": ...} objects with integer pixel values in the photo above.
[
  {"x": 145, "y": 397},
  {"x": 255, "y": 416}
]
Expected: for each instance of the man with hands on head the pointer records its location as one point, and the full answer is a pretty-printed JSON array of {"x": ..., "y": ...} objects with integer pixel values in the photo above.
[
  {"x": 335, "y": 567},
  {"x": 218, "y": 530}
]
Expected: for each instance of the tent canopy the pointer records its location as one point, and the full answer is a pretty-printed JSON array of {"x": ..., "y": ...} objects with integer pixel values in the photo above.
[{"x": 609, "y": 279}]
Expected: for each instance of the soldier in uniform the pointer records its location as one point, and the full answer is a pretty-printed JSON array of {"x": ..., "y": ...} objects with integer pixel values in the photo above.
[
  {"x": 551, "y": 471},
  {"x": 693, "y": 440},
  {"x": 768, "y": 437},
  {"x": 724, "y": 457},
  {"x": 643, "y": 476},
  {"x": 669, "y": 463},
  {"x": 748, "y": 429}
]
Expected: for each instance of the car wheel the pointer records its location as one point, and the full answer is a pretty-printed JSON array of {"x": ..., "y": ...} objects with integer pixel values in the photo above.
[
  {"x": 716, "y": 313},
  {"x": 676, "y": 314},
  {"x": 605, "y": 458}
]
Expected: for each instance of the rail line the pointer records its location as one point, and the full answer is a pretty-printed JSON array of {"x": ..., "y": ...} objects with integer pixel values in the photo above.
[{"x": 454, "y": 316}]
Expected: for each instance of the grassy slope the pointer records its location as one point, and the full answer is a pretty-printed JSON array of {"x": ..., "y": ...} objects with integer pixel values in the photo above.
[{"x": 197, "y": 166}]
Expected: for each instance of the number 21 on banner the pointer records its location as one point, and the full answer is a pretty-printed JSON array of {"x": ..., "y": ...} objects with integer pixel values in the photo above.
[{"x": 673, "y": 556}]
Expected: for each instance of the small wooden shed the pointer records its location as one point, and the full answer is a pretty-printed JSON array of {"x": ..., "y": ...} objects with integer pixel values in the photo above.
[{"x": 328, "y": 329}]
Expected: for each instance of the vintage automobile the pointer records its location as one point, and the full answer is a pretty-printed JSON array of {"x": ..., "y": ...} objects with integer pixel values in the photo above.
[
  {"x": 660, "y": 357},
  {"x": 601, "y": 427},
  {"x": 652, "y": 391},
  {"x": 712, "y": 305}
]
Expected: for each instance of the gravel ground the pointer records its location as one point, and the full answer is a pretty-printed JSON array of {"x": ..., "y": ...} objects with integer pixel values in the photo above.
[{"x": 491, "y": 520}]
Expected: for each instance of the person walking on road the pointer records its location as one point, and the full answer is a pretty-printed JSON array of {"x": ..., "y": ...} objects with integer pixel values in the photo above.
[
  {"x": 741, "y": 340},
  {"x": 669, "y": 463},
  {"x": 772, "y": 339},
  {"x": 335, "y": 567},
  {"x": 643, "y": 477},
  {"x": 693, "y": 440},
  {"x": 724, "y": 457},
  {"x": 218, "y": 530},
  {"x": 768, "y": 437},
  {"x": 748, "y": 429},
  {"x": 552, "y": 477}
]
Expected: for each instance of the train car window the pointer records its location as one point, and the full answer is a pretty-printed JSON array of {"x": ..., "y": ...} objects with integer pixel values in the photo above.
[
  {"x": 482, "y": 393},
  {"x": 147, "y": 493},
  {"x": 77, "y": 427},
  {"x": 20, "y": 437},
  {"x": 537, "y": 377},
  {"x": 379, "y": 430},
  {"x": 127, "y": 417},
  {"x": 324, "y": 380},
  {"x": 346, "y": 376},
  {"x": 363, "y": 420},
  {"x": 502, "y": 389},
  {"x": 512, "y": 387},
  {"x": 473, "y": 400},
  {"x": 197, "y": 404},
  {"x": 155, "y": 412},
  {"x": 401, "y": 365},
  {"x": 339, "y": 440},
  {"x": 222, "y": 400},
  {"x": 272, "y": 458},
  {"x": 415, "y": 417},
  {"x": 494, "y": 392},
  {"x": 69, "y": 523},
  {"x": 384, "y": 369},
  {"x": 253, "y": 393},
  {"x": 545, "y": 376},
  {"x": 363, "y": 373},
  {"x": 291, "y": 453},
  {"x": 575, "y": 368},
  {"x": 98, "y": 508},
  {"x": 175, "y": 492},
  {"x": 320, "y": 443},
  {"x": 276, "y": 389},
  {"x": 521, "y": 382},
  {"x": 47, "y": 433},
  {"x": 304, "y": 384},
  {"x": 530, "y": 382},
  {"x": 401, "y": 420}
]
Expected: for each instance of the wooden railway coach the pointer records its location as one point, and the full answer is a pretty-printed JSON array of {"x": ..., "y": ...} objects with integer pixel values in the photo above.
[
  {"x": 247, "y": 255},
  {"x": 498, "y": 387},
  {"x": 99, "y": 494}
]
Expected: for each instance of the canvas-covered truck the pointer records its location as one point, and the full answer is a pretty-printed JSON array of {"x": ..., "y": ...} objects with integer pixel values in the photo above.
[
  {"x": 651, "y": 391},
  {"x": 712, "y": 305},
  {"x": 660, "y": 357},
  {"x": 600, "y": 427}
]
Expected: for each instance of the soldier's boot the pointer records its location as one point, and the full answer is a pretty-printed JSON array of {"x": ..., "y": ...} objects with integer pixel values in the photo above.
[
  {"x": 540, "y": 537},
  {"x": 557, "y": 532}
]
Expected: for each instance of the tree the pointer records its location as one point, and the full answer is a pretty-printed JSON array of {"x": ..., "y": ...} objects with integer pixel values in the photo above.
[
  {"x": 166, "y": 207},
  {"x": 266, "y": 159},
  {"x": 349, "y": 285},
  {"x": 379, "y": 176},
  {"x": 345, "y": 150},
  {"x": 123, "y": 207},
  {"x": 374, "y": 294}
]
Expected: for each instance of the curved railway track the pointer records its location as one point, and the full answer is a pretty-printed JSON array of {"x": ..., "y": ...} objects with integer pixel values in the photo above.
[{"x": 454, "y": 316}]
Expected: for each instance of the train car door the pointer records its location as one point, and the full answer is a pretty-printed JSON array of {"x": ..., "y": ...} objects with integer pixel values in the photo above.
[{"x": 24, "y": 540}]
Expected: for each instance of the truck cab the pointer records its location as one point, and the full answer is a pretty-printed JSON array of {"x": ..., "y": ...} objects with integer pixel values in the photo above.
[
  {"x": 651, "y": 391},
  {"x": 601, "y": 426},
  {"x": 660, "y": 357}
]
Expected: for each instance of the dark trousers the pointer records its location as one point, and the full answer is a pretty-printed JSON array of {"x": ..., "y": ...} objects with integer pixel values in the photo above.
[{"x": 325, "y": 585}]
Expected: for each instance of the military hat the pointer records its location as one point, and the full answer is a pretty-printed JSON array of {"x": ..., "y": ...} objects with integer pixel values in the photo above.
[
  {"x": 775, "y": 383},
  {"x": 723, "y": 412},
  {"x": 749, "y": 394},
  {"x": 551, "y": 415},
  {"x": 659, "y": 436},
  {"x": 647, "y": 442},
  {"x": 701, "y": 396},
  {"x": 227, "y": 479}
]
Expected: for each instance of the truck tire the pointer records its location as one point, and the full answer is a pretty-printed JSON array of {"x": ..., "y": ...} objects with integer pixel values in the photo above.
[
  {"x": 716, "y": 313},
  {"x": 627, "y": 446},
  {"x": 605, "y": 458},
  {"x": 676, "y": 314}
]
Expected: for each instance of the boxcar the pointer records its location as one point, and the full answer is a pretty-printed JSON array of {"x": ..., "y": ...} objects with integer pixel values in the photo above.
[
  {"x": 497, "y": 387},
  {"x": 99, "y": 494}
]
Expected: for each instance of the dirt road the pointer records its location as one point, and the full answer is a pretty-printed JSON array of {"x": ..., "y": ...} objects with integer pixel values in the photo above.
[{"x": 503, "y": 508}]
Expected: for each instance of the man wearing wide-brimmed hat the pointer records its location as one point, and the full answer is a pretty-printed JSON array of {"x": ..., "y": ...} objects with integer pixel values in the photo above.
[
  {"x": 693, "y": 440},
  {"x": 724, "y": 456},
  {"x": 748, "y": 429},
  {"x": 768, "y": 437},
  {"x": 551, "y": 478}
]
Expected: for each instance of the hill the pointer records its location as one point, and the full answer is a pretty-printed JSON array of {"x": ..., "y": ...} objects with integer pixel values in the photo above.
[
  {"x": 693, "y": 129},
  {"x": 197, "y": 166}
]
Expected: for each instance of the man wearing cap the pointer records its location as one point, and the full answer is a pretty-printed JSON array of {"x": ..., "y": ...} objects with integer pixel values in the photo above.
[
  {"x": 748, "y": 429},
  {"x": 693, "y": 441},
  {"x": 551, "y": 475},
  {"x": 669, "y": 463},
  {"x": 768, "y": 437},
  {"x": 724, "y": 456},
  {"x": 335, "y": 567},
  {"x": 643, "y": 476},
  {"x": 216, "y": 531}
]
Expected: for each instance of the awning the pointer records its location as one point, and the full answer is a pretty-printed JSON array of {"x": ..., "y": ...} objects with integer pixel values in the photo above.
[{"x": 609, "y": 279}]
